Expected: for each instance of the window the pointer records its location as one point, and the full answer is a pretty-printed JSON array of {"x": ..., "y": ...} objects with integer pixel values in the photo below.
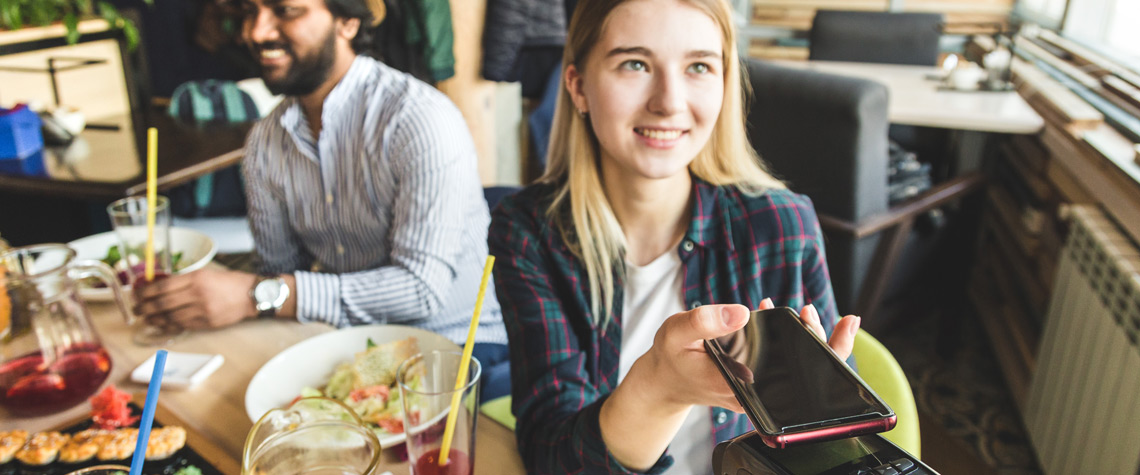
[
  {"x": 1106, "y": 25},
  {"x": 1047, "y": 13}
]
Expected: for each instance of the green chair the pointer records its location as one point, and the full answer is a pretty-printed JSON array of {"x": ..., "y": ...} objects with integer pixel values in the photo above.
[
  {"x": 499, "y": 410},
  {"x": 876, "y": 366},
  {"x": 882, "y": 372}
]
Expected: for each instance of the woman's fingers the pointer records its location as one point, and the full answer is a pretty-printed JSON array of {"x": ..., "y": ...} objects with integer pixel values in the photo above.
[
  {"x": 767, "y": 304},
  {"x": 702, "y": 323},
  {"x": 843, "y": 338},
  {"x": 810, "y": 317}
]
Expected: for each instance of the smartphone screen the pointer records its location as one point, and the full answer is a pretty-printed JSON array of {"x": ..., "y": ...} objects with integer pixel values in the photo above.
[{"x": 792, "y": 381}]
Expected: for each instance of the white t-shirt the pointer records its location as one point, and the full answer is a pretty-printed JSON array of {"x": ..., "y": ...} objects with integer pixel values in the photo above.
[{"x": 653, "y": 294}]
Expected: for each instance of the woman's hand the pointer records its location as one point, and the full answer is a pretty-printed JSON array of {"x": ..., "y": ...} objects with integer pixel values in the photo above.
[
  {"x": 681, "y": 372},
  {"x": 644, "y": 413},
  {"x": 842, "y": 336}
]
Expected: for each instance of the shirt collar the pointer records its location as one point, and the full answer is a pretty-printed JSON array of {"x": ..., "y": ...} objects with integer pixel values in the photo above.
[
  {"x": 293, "y": 120},
  {"x": 709, "y": 226}
]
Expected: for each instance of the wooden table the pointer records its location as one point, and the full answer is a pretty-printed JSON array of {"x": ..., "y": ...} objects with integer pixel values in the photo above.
[
  {"x": 110, "y": 164},
  {"x": 216, "y": 408}
]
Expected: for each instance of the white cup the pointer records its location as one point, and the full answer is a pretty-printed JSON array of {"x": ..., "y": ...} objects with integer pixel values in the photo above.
[
  {"x": 966, "y": 77},
  {"x": 71, "y": 118}
]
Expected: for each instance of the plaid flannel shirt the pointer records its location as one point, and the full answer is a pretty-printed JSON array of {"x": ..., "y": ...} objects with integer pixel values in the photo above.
[{"x": 737, "y": 249}]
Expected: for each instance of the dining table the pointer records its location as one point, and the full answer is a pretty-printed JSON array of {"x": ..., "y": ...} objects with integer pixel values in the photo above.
[{"x": 214, "y": 409}]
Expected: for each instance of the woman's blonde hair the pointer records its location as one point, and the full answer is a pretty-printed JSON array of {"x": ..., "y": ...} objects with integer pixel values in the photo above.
[{"x": 580, "y": 209}]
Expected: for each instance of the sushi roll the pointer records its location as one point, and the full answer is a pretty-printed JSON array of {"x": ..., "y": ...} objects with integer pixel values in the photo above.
[
  {"x": 42, "y": 448},
  {"x": 83, "y": 445},
  {"x": 120, "y": 446},
  {"x": 164, "y": 442},
  {"x": 10, "y": 442}
]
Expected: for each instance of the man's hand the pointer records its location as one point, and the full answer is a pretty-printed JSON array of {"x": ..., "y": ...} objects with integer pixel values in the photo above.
[{"x": 205, "y": 298}]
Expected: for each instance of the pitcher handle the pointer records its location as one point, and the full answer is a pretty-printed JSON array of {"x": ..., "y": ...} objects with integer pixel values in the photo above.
[{"x": 94, "y": 268}]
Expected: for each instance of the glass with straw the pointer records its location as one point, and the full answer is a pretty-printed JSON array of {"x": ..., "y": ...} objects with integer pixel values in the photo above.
[
  {"x": 143, "y": 227},
  {"x": 440, "y": 414}
]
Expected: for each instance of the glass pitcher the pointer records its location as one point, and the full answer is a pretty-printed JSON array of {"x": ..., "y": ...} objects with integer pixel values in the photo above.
[
  {"x": 313, "y": 436},
  {"x": 50, "y": 354}
]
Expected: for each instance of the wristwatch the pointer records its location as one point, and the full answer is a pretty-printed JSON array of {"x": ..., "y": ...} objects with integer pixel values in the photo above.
[{"x": 269, "y": 294}]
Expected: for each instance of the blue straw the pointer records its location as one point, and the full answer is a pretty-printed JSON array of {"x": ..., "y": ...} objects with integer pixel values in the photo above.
[{"x": 148, "y": 412}]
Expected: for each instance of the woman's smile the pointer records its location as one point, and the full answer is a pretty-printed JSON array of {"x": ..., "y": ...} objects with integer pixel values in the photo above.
[{"x": 662, "y": 138}]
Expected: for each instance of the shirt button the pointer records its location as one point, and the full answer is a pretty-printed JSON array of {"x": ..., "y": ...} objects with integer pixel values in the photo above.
[
  {"x": 329, "y": 198},
  {"x": 687, "y": 245},
  {"x": 339, "y": 249},
  {"x": 721, "y": 417},
  {"x": 695, "y": 304}
]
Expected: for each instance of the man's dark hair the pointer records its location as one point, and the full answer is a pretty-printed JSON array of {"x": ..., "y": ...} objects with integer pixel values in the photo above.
[{"x": 362, "y": 43}]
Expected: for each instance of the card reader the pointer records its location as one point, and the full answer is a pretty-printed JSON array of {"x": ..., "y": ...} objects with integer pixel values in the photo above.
[{"x": 869, "y": 454}]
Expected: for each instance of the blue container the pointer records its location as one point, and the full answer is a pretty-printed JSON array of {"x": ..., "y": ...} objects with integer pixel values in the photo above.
[
  {"x": 31, "y": 165},
  {"x": 20, "y": 134}
]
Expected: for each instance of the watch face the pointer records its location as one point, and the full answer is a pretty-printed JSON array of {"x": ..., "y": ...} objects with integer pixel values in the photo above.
[{"x": 267, "y": 291}]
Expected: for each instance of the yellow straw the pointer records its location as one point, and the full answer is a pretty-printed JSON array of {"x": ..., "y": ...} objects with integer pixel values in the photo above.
[
  {"x": 464, "y": 363},
  {"x": 151, "y": 197}
]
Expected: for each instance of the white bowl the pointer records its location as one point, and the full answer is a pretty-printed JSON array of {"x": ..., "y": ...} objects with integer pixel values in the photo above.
[
  {"x": 197, "y": 250},
  {"x": 311, "y": 362}
]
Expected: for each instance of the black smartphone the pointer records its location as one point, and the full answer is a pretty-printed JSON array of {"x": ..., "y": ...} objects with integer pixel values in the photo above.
[{"x": 794, "y": 389}]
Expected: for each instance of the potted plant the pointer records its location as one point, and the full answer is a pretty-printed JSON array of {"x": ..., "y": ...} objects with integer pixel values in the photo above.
[{"x": 16, "y": 14}]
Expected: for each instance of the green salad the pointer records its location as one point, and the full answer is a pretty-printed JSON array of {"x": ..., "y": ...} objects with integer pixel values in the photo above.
[
  {"x": 114, "y": 257},
  {"x": 368, "y": 385}
]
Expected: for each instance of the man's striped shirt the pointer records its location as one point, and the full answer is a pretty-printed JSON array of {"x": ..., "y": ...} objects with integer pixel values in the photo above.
[{"x": 386, "y": 206}]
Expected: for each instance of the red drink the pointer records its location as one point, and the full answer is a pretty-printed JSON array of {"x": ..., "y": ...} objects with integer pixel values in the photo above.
[
  {"x": 457, "y": 464},
  {"x": 28, "y": 386},
  {"x": 139, "y": 273}
]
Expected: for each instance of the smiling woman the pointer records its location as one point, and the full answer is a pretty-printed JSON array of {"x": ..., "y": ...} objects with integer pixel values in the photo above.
[{"x": 653, "y": 203}]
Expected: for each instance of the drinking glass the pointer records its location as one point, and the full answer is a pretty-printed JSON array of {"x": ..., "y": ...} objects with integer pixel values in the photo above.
[
  {"x": 128, "y": 217},
  {"x": 102, "y": 470},
  {"x": 314, "y": 436},
  {"x": 427, "y": 386}
]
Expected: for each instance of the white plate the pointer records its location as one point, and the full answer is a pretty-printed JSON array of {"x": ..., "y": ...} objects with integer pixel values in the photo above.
[
  {"x": 311, "y": 362},
  {"x": 197, "y": 250}
]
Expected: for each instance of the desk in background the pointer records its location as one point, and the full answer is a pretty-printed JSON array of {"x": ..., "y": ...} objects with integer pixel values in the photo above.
[
  {"x": 917, "y": 99},
  {"x": 104, "y": 165},
  {"x": 109, "y": 164}
]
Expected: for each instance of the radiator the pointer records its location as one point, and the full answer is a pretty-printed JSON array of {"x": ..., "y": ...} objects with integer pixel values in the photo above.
[{"x": 1083, "y": 407}]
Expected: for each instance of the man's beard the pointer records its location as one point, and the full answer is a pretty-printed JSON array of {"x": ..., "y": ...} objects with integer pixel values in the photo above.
[{"x": 305, "y": 75}]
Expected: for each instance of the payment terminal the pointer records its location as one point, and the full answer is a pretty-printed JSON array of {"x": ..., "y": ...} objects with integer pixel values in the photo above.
[{"x": 868, "y": 454}]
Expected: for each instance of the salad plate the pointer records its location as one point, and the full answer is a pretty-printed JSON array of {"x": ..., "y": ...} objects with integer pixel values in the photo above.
[
  {"x": 196, "y": 248},
  {"x": 311, "y": 363}
]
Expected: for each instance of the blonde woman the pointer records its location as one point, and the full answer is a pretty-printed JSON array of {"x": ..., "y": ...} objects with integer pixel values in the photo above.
[{"x": 656, "y": 226}]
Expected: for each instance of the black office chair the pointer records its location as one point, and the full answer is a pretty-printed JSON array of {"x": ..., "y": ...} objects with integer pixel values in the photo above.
[
  {"x": 826, "y": 135},
  {"x": 885, "y": 37},
  {"x": 876, "y": 37}
]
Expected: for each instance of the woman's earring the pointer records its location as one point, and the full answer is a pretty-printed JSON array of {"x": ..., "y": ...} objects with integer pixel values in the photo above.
[{"x": 582, "y": 113}]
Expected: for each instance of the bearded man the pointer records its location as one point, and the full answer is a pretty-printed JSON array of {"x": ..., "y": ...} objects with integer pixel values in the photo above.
[{"x": 363, "y": 190}]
